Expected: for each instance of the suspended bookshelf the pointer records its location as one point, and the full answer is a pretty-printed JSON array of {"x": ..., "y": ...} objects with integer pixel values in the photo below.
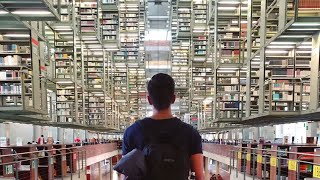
[{"x": 15, "y": 73}]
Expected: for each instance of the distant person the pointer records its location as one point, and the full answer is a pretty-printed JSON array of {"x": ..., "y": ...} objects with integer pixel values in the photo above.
[
  {"x": 172, "y": 147},
  {"x": 41, "y": 140}
]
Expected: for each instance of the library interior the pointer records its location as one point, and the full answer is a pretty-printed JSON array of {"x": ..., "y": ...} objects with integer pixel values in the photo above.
[{"x": 73, "y": 77}]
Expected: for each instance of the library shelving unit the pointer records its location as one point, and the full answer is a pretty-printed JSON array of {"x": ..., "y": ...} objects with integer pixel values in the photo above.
[
  {"x": 27, "y": 169},
  {"x": 241, "y": 160},
  {"x": 279, "y": 157},
  {"x": 251, "y": 157},
  {"x": 60, "y": 165},
  {"x": 110, "y": 24},
  {"x": 66, "y": 91},
  {"x": 306, "y": 169},
  {"x": 46, "y": 161},
  {"x": 228, "y": 52},
  {"x": 6, "y": 171},
  {"x": 95, "y": 99},
  {"x": 263, "y": 159},
  {"x": 184, "y": 19},
  {"x": 281, "y": 58},
  {"x": 131, "y": 35},
  {"x": 21, "y": 70}
]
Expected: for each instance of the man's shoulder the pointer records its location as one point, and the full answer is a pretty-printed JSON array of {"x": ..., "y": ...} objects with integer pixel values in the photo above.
[{"x": 188, "y": 127}]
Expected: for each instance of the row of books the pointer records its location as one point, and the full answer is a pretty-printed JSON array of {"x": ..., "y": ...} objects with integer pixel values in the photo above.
[
  {"x": 14, "y": 60},
  {"x": 15, "y": 48},
  {"x": 128, "y": 15},
  {"x": 109, "y": 1},
  {"x": 9, "y": 75},
  {"x": 128, "y": 28},
  {"x": 6, "y": 88},
  {"x": 111, "y": 21}
]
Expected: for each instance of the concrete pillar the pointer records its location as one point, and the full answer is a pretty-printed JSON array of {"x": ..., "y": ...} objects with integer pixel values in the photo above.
[
  {"x": 111, "y": 168},
  {"x": 99, "y": 169},
  {"x": 314, "y": 81},
  {"x": 217, "y": 167},
  {"x": 206, "y": 167},
  {"x": 282, "y": 14},
  {"x": 249, "y": 51},
  {"x": 312, "y": 129},
  {"x": 262, "y": 56}
]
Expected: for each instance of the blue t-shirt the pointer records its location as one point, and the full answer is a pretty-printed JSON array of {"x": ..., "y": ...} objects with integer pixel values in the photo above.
[{"x": 134, "y": 136}]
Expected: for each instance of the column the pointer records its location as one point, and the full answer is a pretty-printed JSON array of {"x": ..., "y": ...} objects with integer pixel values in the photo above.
[
  {"x": 217, "y": 167},
  {"x": 206, "y": 167},
  {"x": 282, "y": 14},
  {"x": 314, "y": 80},
  {"x": 262, "y": 56},
  {"x": 249, "y": 52}
]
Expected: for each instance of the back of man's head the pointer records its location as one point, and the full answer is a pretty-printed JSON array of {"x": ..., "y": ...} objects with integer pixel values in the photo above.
[{"x": 161, "y": 91}]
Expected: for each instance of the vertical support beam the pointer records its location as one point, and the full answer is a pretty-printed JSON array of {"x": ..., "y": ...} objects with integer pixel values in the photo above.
[
  {"x": 217, "y": 167},
  {"x": 75, "y": 78},
  {"x": 206, "y": 168},
  {"x": 314, "y": 77},
  {"x": 262, "y": 56},
  {"x": 43, "y": 84},
  {"x": 104, "y": 87},
  {"x": 83, "y": 84},
  {"x": 282, "y": 14},
  {"x": 215, "y": 60},
  {"x": 35, "y": 68},
  {"x": 249, "y": 52}
]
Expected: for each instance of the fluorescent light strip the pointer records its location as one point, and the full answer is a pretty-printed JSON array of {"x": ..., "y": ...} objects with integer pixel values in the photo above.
[
  {"x": 279, "y": 47},
  {"x": 17, "y": 35},
  {"x": 275, "y": 52},
  {"x": 3, "y": 12},
  {"x": 31, "y": 12},
  {"x": 285, "y": 43},
  {"x": 305, "y": 24}
]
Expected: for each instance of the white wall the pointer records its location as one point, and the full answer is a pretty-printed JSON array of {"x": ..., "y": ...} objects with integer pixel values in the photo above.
[{"x": 23, "y": 131}]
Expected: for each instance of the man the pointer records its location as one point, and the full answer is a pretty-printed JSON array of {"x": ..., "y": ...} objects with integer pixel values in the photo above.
[
  {"x": 41, "y": 140},
  {"x": 168, "y": 134}
]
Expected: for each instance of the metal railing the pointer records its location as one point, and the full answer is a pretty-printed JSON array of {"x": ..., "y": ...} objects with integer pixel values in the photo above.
[
  {"x": 301, "y": 167},
  {"x": 44, "y": 163}
]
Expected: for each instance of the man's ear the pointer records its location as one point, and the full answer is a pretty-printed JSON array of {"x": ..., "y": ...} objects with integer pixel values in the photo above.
[
  {"x": 173, "y": 99},
  {"x": 149, "y": 100}
]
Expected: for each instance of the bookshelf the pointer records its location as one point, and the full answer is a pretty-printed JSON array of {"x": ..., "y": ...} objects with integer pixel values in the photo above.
[
  {"x": 110, "y": 24},
  {"x": 95, "y": 99},
  {"x": 16, "y": 72},
  {"x": 64, "y": 76},
  {"x": 6, "y": 171},
  {"x": 184, "y": 19}
]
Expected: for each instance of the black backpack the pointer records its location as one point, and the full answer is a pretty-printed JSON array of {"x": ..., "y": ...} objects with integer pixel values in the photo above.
[{"x": 167, "y": 158}]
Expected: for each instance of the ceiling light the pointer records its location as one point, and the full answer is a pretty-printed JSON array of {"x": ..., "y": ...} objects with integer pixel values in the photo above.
[
  {"x": 305, "y": 24},
  {"x": 229, "y": 2},
  {"x": 303, "y": 51},
  {"x": 307, "y": 43},
  {"x": 255, "y": 62},
  {"x": 3, "y": 12},
  {"x": 308, "y": 29},
  {"x": 285, "y": 43},
  {"x": 279, "y": 47},
  {"x": 17, "y": 35},
  {"x": 31, "y": 12},
  {"x": 275, "y": 52},
  {"x": 64, "y": 82},
  {"x": 229, "y": 68},
  {"x": 294, "y": 36},
  {"x": 304, "y": 47},
  {"x": 225, "y": 71}
]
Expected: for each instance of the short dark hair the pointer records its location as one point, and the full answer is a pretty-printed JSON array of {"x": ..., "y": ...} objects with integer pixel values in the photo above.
[{"x": 161, "y": 91}]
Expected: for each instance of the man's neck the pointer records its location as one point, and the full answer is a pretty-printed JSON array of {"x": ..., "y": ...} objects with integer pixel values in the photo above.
[{"x": 162, "y": 114}]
